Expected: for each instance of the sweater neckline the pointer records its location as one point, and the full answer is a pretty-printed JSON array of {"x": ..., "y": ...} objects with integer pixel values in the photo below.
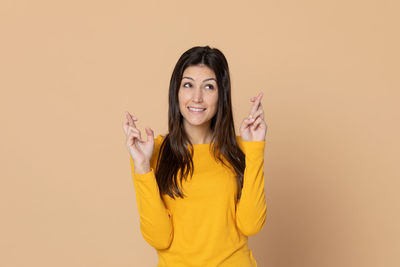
[{"x": 200, "y": 146}]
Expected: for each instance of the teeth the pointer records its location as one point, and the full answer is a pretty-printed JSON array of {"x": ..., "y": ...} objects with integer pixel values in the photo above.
[{"x": 197, "y": 109}]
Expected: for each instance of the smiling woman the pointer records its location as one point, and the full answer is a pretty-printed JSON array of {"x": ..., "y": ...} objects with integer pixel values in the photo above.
[
  {"x": 200, "y": 188},
  {"x": 198, "y": 101}
]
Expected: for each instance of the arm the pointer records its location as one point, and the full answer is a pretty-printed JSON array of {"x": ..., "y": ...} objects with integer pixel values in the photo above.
[
  {"x": 155, "y": 220},
  {"x": 251, "y": 209}
]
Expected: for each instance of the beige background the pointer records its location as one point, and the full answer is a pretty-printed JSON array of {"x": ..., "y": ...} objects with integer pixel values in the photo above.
[{"x": 330, "y": 74}]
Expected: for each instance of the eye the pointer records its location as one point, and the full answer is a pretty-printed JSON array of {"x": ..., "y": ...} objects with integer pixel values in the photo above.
[
  {"x": 184, "y": 85},
  {"x": 210, "y": 86}
]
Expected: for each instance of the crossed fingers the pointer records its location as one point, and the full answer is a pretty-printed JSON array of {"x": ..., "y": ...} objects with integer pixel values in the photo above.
[
  {"x": 130, "y": 126},
  {"x": 256, "y": 113}
]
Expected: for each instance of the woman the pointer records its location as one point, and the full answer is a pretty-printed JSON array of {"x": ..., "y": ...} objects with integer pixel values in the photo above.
[{"x": 200, "y": 188}]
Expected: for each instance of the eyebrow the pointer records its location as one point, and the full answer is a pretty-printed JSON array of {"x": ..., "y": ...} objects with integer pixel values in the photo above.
[{"x": 203, "y": 80}]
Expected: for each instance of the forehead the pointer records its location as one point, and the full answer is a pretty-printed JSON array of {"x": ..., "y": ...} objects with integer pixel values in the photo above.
[{"x": 198, "y": 72}]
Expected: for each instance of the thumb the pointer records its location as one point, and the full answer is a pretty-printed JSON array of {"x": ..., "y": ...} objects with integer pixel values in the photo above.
[{"x": 150, "y": 134}]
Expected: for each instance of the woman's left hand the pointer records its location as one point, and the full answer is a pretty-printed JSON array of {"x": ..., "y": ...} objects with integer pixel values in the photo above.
[{"x": 254, "y": 128}]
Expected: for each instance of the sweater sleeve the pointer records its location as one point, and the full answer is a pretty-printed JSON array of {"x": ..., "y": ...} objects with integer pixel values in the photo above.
[
  {"x": 251, "y": 209},
  {"x": 155, "y": 219}
]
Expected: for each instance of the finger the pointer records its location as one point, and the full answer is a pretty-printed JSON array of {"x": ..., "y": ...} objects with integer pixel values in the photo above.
[
  {"x": 126, "y": 122},
  {"x": 134, "y": 137},
  {"x": 150, "y": 134},
  {"x": 259, "y": 113},
  {"x": 257, "y": 123},
  {"x": 125, "y": 125},
  {"x": 136, "y": 132},
  {"x": 131, "y": 119},
  {"x": 246, "y": 123},
  {"x": 130, "y": 115},
  {"x": 255, "y": 105},
  {"x": 133, "y": 129},
  {"x": 131, "y": 139}
]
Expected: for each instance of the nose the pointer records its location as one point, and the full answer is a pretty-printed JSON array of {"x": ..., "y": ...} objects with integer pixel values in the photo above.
[{"x": 198, "y": 95}]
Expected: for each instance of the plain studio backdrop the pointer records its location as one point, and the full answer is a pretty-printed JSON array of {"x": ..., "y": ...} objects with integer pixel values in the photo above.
[{"x": 329, "y": 71}]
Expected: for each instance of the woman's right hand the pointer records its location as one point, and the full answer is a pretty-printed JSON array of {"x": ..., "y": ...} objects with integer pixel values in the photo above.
[{"x": 140, "y": 150}]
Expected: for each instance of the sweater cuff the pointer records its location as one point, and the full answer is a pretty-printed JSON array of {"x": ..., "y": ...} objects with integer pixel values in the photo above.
[
  {"x": 144, "y": 176},
  {"x": 254, "y": 149},
  {"x": 141, "y": 176}
]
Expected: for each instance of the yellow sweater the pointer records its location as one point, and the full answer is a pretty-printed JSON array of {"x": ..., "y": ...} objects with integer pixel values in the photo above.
[{"x": 208, "y": 227}]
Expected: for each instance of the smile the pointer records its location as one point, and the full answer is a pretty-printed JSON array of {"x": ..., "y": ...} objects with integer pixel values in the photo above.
[{"x": 196, "y": 110}]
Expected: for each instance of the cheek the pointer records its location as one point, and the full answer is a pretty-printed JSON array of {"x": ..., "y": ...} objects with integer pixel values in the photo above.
[
  {"x": 180, "y": 99},
  {"x": 182, "y": 102},
  {"x": 182, "y": 96},
  {"x": 215, "y": 105},
  {"x": 215, "y": 101}
]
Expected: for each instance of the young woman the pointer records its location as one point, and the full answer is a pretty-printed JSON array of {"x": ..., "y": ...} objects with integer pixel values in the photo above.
[{"x": 200, "y": 188}]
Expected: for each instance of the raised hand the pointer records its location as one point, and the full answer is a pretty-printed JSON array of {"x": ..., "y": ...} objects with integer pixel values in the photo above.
[
  {"x": 140, "y": 150},
  {"x": 254, "y": 128}
]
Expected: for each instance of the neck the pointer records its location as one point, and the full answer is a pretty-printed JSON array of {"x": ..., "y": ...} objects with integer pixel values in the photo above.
[{"x": 198, "y": 134}]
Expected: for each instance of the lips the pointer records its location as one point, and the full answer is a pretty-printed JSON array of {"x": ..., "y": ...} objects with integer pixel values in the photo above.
[{"x": 194, "y": 109}]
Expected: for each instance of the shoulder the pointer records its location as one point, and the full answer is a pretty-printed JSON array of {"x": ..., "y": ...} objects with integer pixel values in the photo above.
[
  {"x": 159, "y": 139},
  {"x": 157, "y": 142},
  {"x": 156, "y": 151}
]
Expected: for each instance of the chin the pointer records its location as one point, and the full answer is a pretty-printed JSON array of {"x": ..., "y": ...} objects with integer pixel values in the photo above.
[{"x": 196, "y": 123}]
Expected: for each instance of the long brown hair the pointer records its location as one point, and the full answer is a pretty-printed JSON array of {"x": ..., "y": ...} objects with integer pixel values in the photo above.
[{"x": 175, "y": 158}]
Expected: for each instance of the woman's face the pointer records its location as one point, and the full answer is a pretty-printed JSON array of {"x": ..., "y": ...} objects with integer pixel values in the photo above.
[{"x": 198, "y": 96}]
